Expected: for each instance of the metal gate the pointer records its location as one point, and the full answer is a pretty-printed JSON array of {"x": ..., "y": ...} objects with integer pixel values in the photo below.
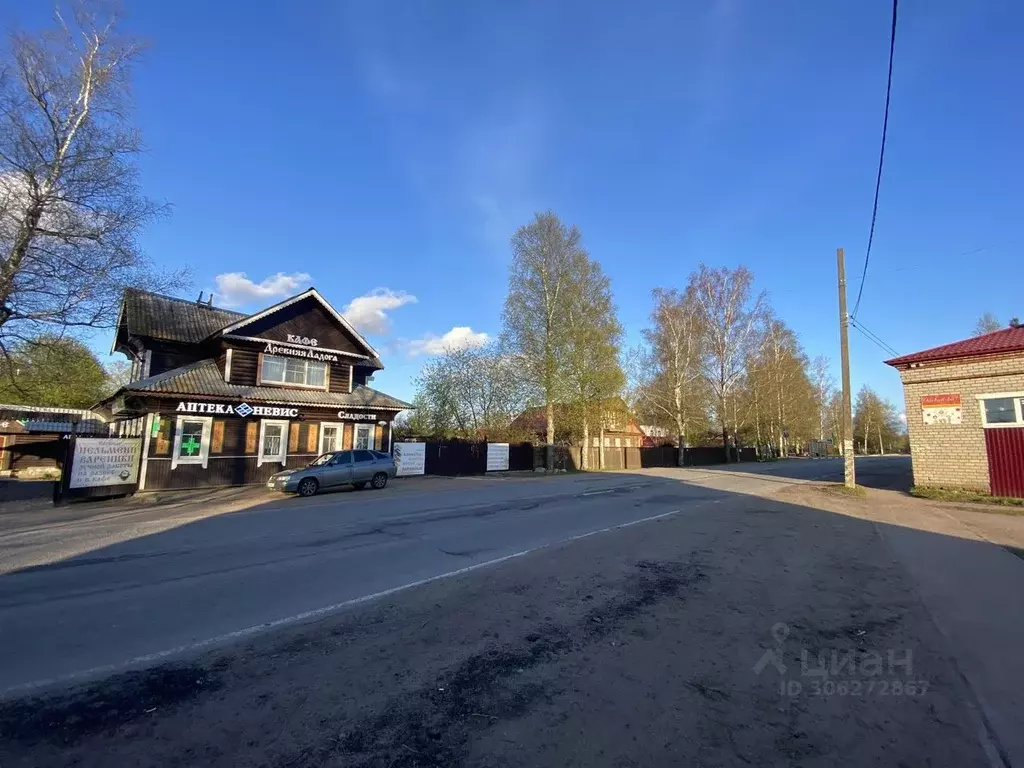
[{"x": 1005, "y": 447}]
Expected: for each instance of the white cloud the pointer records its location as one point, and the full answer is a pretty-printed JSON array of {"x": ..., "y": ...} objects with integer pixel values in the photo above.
[
  {"x": 369, "y": 313},
  {"x": 459, "y": 337},
  {"x": 234, "y": 289}
]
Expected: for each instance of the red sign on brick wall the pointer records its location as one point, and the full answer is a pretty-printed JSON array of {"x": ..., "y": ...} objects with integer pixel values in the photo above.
[{"x": 940, "y": 401}]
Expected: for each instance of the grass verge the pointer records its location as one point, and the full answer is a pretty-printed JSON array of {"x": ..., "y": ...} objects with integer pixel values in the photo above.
[
  {"x": 857, "y": 491},
  {"x": 1010, "y": 506}
]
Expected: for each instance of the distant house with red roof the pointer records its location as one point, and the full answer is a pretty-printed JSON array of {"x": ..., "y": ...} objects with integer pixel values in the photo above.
[{"x": 965, "y": 412}]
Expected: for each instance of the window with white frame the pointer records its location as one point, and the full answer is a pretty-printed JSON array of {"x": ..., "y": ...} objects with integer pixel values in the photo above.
[
  {"x": 1002, "y": 410},
  {"x": 291, "y": 371},
  {"x": 273, "y": 442},
  {"x": 330, "y": 437},
  {"x": 191, "y": 440}
]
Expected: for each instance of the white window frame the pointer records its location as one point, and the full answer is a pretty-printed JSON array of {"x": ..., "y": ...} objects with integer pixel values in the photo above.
[
  {"x": 1018, "y": 407},
  {"x": 227, "y": 365},
  {"x": 327, "y": 373},
  {"x": 370, "y": 441},
  {"x": 261, "y": 459},
  {"x": 203, "y": 456},
  {"x": 341, "y": 435}
]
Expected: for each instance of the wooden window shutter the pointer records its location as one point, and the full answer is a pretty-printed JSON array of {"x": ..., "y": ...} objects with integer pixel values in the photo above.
[
  {"x": 252, "y": 433},
  {"x": 217, "y": 439},
  {"x": 378, "y": 437},
  {"x": 346, "y": 439},
  {"x": 163, "y": 437},
  {"x": 311, "y": 439},
  {"x": 293, "y": 438}
]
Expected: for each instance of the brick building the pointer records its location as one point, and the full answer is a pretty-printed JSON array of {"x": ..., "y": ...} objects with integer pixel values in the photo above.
[{"x": 965, "y": 413}]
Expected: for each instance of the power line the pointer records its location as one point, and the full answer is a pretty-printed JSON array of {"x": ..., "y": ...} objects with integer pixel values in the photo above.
[
  {"x": 881, "y": 160},
  {"x": 874, "y": 338}
]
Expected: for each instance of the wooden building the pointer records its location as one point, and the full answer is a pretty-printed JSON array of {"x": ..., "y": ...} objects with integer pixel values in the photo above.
[
  {"x": 32, "y": 437},
  {"x": 616, "y": 427},
  {"x": 223, "y": 398}
]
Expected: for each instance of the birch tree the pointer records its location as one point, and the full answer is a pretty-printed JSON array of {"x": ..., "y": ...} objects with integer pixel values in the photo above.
[
  {"x": 987, "y": 323},
  {"x": 676, "y": 340},
  {"x": 70, "y": 205},
  {"x": 539, "y": 296},
  {"x": 726, "y": 310},
  {"x": 593, "y": 373},
  {"x": 824, "y": 386}
]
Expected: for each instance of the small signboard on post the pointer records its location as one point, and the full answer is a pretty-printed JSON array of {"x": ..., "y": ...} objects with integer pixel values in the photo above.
[
  {"x": 497, "y": 457},
  {"x": 942, "y": 409},
  {"x": 410, "y": 458},
  {"x": 95, "y": 467}
]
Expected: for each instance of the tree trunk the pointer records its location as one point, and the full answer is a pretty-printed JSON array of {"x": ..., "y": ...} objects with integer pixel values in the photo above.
[
  {"x": 585, "y": 453},
  {"x": 549, "y": 460},
  {"x": 881, "y": 445},
  {"x": 600, "y": 447},
  {"x": 680, "y": 425},
  {"x": 725, "y": 428}
]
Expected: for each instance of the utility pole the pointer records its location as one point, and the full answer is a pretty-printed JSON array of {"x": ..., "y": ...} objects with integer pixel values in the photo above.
[{"x": 849, "y": 470}]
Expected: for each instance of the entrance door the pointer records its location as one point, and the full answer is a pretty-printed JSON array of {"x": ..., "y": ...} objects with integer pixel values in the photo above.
[{"x": 363, "y": 437}]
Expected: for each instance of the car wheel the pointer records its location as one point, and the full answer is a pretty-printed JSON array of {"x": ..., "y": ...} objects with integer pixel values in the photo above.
[
  {"x": 308, "y": 487},
  {"x": 380, "y": 480},
  {"x": 359, "y": 486}
]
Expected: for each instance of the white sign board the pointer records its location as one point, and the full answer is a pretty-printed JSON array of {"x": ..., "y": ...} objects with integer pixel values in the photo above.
[
  {"x": 941, "y": 409},
  {"x": 497, "y": 457},
  {"x": 102, "y": 461},
  {"x": 410, "y": 458}
]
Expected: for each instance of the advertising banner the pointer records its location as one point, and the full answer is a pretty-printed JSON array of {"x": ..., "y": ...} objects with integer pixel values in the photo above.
[
  {"x": 497, "y": 457},
  {"x": 942, "y": 409},
  {"x": 102, "y": 461},
  {"x": 410, "y": 458}
]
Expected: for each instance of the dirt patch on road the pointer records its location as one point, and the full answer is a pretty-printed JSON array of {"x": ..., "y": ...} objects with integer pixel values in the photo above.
[{"x": 638, "y": 647}]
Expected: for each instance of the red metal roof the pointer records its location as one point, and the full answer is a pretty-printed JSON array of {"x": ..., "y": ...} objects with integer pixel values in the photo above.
[{"x": 1006, "y": 340}]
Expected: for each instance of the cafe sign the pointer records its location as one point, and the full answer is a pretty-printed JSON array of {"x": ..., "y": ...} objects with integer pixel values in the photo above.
[
  {"x": 346, "y": 416},
  {"x": 275, "y": 348}
]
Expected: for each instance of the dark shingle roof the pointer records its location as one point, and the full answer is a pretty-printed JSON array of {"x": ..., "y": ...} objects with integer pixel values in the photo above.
[
  {"x": 1007, "y": 340},
  {"x": 170, "y": 319},
  {"x": 204, "y": 379}
]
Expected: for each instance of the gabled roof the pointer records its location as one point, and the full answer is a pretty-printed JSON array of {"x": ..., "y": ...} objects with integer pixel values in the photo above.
[
  {"x": 189, "y": 322},
  {"x": 204, "y": 378},
  {"x": 1006, "y": 340},
  {"x": 169, "y": 319},
  {"x": 313, "y": 294}
]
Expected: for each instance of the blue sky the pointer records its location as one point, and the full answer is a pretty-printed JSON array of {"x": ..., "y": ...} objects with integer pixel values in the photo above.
[{"x": 389, "y": 150}]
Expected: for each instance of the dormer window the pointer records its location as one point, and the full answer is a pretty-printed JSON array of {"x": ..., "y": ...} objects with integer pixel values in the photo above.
[{"x": 293, "y": 372}]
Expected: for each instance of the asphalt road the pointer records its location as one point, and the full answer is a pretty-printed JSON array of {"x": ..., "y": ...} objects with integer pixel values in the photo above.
[{"x": 81, "y": 599}]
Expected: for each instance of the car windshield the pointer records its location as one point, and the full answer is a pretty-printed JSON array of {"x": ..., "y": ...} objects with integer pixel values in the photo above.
[{"x": 321, "y": 460}]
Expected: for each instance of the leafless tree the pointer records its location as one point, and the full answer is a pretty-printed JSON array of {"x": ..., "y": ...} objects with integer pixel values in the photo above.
[
  {"x": 730, "y": 316},
  {"x": 676, "y": 345},
  {"x": 70, "y": 204},
  {"x": 824, "y": 386},
  {"x": 539, "y": 295},
  {"x": 987, "y": 323}
]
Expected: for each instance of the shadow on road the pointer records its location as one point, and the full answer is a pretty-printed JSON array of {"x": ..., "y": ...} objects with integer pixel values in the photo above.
[{"x": 639, "y": 647}]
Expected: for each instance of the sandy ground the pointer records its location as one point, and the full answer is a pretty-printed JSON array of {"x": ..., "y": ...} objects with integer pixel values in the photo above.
[{"x": 643, "y": 646}]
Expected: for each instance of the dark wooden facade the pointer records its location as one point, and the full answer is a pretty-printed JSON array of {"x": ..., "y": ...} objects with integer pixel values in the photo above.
[{"x": 212, "y": 373}]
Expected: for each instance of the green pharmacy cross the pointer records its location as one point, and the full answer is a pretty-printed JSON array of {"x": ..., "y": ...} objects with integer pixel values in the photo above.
[{"x": 191, "y": 445}]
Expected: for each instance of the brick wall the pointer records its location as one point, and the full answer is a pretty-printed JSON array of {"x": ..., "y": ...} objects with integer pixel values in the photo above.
[{"x": 954, "y": 455}]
